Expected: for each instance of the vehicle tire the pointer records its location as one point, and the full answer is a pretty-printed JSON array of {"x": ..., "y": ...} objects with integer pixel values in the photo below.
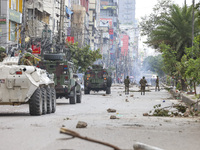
[
  {"x": 53, "y": 56},
  {"x": 49, "y": 100},
  {"x": 108, "y": 90},
  {"x": 79, "y": 97},
  {"x": 44, "y": 101},
  {"x": 86, "y": 91},
  {"x": 53, "y": 96},
  {"x": 109, "y": 82},
  {"x": 72, "y": 100},
  {"x": 35, "y": 103}
]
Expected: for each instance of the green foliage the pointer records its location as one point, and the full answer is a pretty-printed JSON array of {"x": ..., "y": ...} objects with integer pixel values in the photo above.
[
  {"x": 83, "y": 57},
  {"x": 2, "y": 49},
  {"x": 154, "y": 64}
]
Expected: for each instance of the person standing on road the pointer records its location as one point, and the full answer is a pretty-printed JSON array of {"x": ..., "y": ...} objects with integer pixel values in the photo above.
[
  {"x": 126, "y": 83},
  {"x": 157, "y": 84},
  {"x": 143, "y": 83}
]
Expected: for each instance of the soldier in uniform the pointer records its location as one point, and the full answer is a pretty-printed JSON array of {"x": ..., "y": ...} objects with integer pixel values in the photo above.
[
  {"x": 157, "y": 84},
  {"x": 2, "y": 54},
  {"x": 126, "y": 83},
  {"x": 143, "y": 83},
  {"x": 28, "y": 59}
]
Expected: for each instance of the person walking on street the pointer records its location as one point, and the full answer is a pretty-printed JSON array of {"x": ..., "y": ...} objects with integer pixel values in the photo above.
[
  {"x": 157, "y": 84},
  {"x": 143, "y": 83},
  {"x": 126, "y": 83}
]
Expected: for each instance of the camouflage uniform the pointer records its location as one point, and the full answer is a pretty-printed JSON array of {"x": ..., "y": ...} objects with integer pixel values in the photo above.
[
  {"x": 2, "y": 56},
  {"x": 126, "y": 83},
  {"x": 28, "y": 59},
  {"x": 157, "y": 84},
  {"x": 143, "y": 83}
]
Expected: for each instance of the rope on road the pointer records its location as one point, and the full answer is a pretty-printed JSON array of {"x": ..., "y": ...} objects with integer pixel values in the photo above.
[{"x": 75, "y": 134}]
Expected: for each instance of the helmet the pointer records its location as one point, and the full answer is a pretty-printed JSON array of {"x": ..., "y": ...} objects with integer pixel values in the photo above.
[
  {"x": 29, "y": 50},
  {"x": 28, "y": 55},
  {"x": 2, "y": 49}
]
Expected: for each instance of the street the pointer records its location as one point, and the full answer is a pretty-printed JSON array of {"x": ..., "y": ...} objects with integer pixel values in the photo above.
[{"x": 19, "y": 130}]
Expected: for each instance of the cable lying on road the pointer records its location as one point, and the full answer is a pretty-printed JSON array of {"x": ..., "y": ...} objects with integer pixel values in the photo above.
[{"x": 75, "y": 134}]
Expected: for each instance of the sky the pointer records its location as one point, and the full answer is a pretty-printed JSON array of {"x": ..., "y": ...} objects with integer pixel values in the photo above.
[{"x": 145, "y": 7}]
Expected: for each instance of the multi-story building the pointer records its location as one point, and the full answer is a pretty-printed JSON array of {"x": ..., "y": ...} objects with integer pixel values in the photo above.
[
  {"x": 80, "y": 22},
  {"x": 108, "y": 26},
  {"x": 10, "y": 22},
  {"x": 127, "y": 11},
  {"x": 95, "y": 34}
]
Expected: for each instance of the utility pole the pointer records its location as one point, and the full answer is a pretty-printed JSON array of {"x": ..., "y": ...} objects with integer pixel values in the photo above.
[
  {"x": 23, "y": 28},
  {"x": 62, "y": 4},
  {"x": 193, "y": 2}
]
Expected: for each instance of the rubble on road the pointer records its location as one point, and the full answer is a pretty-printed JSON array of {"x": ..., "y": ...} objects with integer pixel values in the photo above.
[
  {"x": 175, "y": 110},
  {"x": 113, "y": 117},
  {"x": 111, "y": 110},
  {"x": 81, "y": 124}
]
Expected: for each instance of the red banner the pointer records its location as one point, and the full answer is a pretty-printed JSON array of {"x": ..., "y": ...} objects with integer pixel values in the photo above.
[
  {"x": 36, "y": 48},
  {"x": 70, "y": 39}
]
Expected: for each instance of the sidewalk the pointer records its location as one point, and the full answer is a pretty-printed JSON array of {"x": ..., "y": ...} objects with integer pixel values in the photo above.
[{"x": 188, "y": 99}]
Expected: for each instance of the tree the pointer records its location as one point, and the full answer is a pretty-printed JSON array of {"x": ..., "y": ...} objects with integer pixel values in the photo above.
[
  {"x": 154, "y": 64},
  {"x": 172, "y": 32},
  {"x": 82, "y": 57}
]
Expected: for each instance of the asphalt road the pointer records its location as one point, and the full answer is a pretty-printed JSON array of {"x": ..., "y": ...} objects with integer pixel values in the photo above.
[{"x": 19, "y": 131}]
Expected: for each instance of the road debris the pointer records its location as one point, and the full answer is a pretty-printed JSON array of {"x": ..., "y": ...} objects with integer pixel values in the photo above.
[
  {"x": 127, "y": 100},
  {"x": 75, "y": 134},
  {"x": 113, "y": 117},
  {"x": 111, "y": 110},
  {"x": 81, "y": 124}
]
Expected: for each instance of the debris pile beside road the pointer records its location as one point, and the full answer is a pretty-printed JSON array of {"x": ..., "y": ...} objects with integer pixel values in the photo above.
[{"x": 175, "y": 110}]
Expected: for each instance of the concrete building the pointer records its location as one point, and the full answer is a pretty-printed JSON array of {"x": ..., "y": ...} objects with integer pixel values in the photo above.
[
  {"x": 10, "y": 22},
  {"x": 127, "y": 11},
  {"x": 108, "y": 27},
  {"x": 95, "y": 33}
]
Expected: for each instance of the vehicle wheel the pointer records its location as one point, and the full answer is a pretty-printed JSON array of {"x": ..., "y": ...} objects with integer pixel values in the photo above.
[
  {"x": 35, "y": 103},
  {"x": 44, "y": 101},
  {"x": 86, "y": 91},
  {"x": 108, "y": 90},
  {"x": 72, "y": 100},
  {"x": 79, "y": 97},
  {"x": 53, "y": 96},
  {"x": 49, "y": 100},
  {"x": 53, "y": 56}
]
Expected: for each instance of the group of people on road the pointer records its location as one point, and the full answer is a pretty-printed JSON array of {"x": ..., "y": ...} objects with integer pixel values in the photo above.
[{"x": 143, "y": 83}]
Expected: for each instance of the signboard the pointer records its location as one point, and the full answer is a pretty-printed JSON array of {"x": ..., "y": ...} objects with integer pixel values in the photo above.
[
  {"x": 106, "y": 22},
  {"x": 36, "y": 48},
  {"x": 2, "y": 20},
  {"x": 15, "y": 16},
  {"x": 70, "y": 39},
  {"x": 110, "y": 31}
]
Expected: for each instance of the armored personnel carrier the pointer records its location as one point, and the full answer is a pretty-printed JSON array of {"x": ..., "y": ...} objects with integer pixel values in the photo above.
[
  {"x": 21, "y": 84},
  {"x": 66, "y": 83},
  {"x": 97, "y": 79}
]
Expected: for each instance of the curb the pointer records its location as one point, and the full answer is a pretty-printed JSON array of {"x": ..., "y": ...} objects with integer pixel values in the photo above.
[
  {"x": 187, "y": 99},
  {"x": 141, "y": 146}
]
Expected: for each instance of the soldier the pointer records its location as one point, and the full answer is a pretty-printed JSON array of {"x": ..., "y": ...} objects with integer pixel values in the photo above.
[
  {"x": 28, "y": 59},
  {"x": 143, "y": 83},
  {"x": 2, "y": 54},
  {"x": 157, "y": 84},
  {"x": 126, "y": 83}
]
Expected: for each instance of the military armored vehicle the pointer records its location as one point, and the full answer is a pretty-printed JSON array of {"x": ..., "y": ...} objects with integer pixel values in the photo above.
[
  {"x": 21, "y": 84},
  {"x": 66, "y": 84},
  {"x": 97, "y": 79}
]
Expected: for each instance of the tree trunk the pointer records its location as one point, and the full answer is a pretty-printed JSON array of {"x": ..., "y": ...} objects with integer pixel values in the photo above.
[
  {"x": 195, "y": 91},
  {"x": 183, "y": 85}
]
